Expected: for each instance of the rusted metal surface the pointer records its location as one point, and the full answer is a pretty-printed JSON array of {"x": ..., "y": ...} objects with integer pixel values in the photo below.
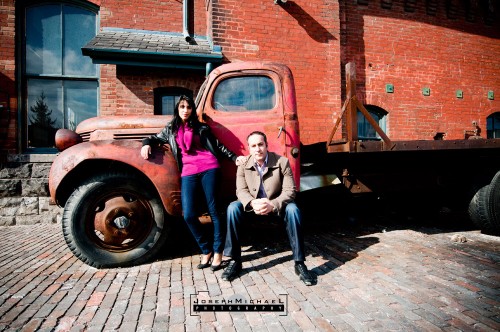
[
  {"x": 349, "y": 113},
  {"x": 351, "y": 117},
  {"x": 123, "y": 122},
  {"x": 416, "y": 145},
  {"x": 353, "y": 184},
  {"x": 160, "y": 168},
  {"x": 120, "y": 221},
  {"x": 431, "y": 168},
  {"x": 280, "y": 124},
  {"x": 65, "y": 138},
  {"x": 116, "y": 138},
  {"x": 428, "y": 169}
]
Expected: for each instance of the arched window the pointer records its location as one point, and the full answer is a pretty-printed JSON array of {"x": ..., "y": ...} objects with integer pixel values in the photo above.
[
  {"x": 493, "y": 125},
  {"x": 167, "y": 98},
  {"x": 365, "y": 129},
  {"x": 60, "y": 85}
]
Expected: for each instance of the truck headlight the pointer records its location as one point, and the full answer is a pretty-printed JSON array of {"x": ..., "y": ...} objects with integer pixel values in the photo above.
[{"x": 66, "y": 138}]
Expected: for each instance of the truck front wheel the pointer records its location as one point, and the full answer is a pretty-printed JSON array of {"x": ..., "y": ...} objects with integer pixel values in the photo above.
[{"x": 114, "y": 220}]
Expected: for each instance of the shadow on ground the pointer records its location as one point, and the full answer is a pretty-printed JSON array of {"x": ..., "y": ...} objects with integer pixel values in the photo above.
[
  {"x": 331, "y": 209},
  {"x": 336, "y": 227}
]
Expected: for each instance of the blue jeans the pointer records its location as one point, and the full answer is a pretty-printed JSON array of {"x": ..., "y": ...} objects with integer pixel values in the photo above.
[
  {"x": 190, "y": 191},
  {"x": 292, "y": 219}
]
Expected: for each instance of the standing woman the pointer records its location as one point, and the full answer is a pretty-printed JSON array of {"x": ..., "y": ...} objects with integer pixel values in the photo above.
[{"x": 196, "y": 150}]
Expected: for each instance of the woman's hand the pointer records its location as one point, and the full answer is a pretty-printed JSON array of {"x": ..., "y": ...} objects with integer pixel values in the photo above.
[
  {"x": 241, "y": 160},
  {"x": 145, "y": 151}
]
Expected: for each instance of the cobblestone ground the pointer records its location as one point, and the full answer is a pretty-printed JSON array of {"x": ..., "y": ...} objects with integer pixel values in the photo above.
[{"x": 370, "y": 278}]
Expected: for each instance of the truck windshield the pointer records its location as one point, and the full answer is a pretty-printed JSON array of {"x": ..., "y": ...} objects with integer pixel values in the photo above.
[{"x": 247, "y": 93}]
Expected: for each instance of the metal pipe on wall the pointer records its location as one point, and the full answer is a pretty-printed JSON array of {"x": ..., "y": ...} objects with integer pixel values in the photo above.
[{"x": 185, "y": 20}]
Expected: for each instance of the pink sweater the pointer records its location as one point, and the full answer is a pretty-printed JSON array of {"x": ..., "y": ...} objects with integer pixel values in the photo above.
[{"x": 195, "y": 158}]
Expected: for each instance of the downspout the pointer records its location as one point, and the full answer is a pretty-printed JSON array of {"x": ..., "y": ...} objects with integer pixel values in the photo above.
[
  {"x": 185, "y": 20},
  {"x": 208, "y": 68}
]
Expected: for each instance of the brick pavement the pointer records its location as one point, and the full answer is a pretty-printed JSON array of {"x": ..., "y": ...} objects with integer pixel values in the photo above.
[{"x": 373, "y": 278}]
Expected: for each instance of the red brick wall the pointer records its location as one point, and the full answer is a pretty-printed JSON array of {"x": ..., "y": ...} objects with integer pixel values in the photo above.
[
  {"x": 404, "y": 46},
  {"x": 410, "y": 50},
  {"x": 155, "y": 15},
  {"x": 129, "y": 91},
  {"x": 120, "y": 94},
  {"x": 413, "y": 50},
  {"x": 8, "y": 119},
  {"x": 302, "y": 34}
]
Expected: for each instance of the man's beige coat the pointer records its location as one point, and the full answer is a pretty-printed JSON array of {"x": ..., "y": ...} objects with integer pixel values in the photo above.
[{"x": 278, "y": 182}]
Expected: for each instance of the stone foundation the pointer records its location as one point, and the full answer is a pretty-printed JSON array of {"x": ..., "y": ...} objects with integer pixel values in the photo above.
[{"x": 24, "y": 191}]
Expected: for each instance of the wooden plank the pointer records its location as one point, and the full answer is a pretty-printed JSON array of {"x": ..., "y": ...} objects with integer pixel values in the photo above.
[{"x": 419, "y": 145}]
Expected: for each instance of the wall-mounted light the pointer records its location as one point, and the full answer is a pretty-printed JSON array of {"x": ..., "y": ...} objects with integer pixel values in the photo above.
[{"x": 277, "y": 2}]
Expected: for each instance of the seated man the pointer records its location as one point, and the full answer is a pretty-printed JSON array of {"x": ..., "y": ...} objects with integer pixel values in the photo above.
[{"x": 265, "y": 189}]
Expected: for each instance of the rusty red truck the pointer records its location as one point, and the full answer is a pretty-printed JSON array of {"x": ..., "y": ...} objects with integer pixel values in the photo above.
[{"x": 118, "y": 206}]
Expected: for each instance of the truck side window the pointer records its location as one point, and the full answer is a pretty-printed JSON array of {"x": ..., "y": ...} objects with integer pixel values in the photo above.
[{"x": 247, "y": 93}]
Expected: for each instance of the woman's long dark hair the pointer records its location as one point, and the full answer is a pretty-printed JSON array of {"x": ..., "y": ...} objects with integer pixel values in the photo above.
[{"x": 193, "y": 118}]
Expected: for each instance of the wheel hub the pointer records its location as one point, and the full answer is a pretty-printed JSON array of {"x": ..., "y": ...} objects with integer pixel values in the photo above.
[{"x": 121, "y": 222}]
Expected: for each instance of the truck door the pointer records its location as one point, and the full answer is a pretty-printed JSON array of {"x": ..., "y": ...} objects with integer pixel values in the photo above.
[{"x": 241, "y": 102}]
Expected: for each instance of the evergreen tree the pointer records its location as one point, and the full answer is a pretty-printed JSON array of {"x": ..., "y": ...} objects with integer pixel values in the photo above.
[
  {"x": 41, "y": 114},
  {"x": 42, "y": 129}
]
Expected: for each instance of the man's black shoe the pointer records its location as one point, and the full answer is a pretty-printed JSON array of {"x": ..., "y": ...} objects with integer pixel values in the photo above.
[
  {"x": 232, "y": 270},
  {"x": 304, "y": 274}
]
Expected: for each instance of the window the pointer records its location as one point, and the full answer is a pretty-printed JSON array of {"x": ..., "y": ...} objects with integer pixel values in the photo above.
[
  {"x": 493, "y": 125},
  {"x": 249, "y": 93},
  {"x": 167, "y": 98},
  {"x": 365, "y": 129},
  {"x": 61, "y": 84}
]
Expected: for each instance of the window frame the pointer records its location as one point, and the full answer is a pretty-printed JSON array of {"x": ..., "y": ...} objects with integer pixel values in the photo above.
[
  {"x": 382, "y": 121},
  {"x": 161, "y": 92},
  {"x": 23, "y": 77},
  {"x": 493, "y": 118}
]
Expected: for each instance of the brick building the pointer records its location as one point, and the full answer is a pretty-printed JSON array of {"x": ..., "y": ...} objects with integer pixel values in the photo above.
[{"x": 424, "y": 68}]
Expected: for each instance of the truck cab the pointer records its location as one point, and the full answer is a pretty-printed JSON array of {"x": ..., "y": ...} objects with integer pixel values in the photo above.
[{"x": 118, "y": 206}]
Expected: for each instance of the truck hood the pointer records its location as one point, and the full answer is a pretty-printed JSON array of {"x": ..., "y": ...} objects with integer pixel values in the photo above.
[
  {"x": 135, "y": 127},
  {"x": 123, "y": 122}
]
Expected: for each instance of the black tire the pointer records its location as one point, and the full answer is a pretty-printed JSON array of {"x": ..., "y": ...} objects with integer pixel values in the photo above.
[
  {"x": 92, "y": 215},
  {"x": 480, "y": 209},
  {"x": 494, "y": 204}
]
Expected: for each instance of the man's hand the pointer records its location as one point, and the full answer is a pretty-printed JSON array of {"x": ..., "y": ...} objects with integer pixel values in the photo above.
[
  {"x": 262, "y": 206},
  {"x": 145, "y": 151},
  {"x": 241, "y": 160}
]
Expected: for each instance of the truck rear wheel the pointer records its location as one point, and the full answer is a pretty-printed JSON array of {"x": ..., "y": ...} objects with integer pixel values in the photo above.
[
  {"x": 114, "y": 220},
  {"x": 480, "y": 209},
  {"x": 494, "y": 203}
]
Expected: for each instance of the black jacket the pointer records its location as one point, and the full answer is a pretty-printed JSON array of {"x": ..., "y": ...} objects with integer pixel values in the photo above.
[{"x": 207, "y": 139}]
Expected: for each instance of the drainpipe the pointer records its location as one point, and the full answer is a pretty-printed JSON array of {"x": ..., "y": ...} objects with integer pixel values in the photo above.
[
  {"x": 185, "y": 20},
  {"x": 208, "y": 68}
]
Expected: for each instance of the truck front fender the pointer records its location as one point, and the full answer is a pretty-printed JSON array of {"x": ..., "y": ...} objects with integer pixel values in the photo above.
[{"x": 71, "y": 167}]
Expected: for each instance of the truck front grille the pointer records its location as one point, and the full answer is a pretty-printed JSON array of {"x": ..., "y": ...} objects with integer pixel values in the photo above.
[
  {"x": 133, "y": 136},
  {"x": 118, "y": 134},
  {"x": 85, "y": 136}
]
